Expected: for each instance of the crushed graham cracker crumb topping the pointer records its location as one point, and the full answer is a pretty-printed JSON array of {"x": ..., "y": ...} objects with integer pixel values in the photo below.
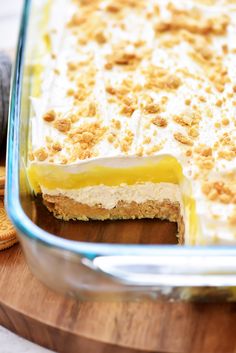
[
  {"x": 220, "y": 191},
  {"x": 182, "y": 139},
  {"x": 143, "y": 78},
  {"x": 40, "y": 154},
  {"x": 49, "y": 116},
  {"x": 62, "y": 124}
]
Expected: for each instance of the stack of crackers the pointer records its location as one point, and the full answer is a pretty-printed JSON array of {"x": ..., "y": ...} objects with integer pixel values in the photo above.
[{"x": 7, "y": 231}]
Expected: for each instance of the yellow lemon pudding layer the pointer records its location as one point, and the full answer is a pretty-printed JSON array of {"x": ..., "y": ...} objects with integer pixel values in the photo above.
[
  {"x": 134, "y": 113},
  {"x": 155, "y": 170}
]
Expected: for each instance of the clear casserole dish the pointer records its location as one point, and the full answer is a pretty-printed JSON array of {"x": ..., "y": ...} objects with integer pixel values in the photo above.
[{"x": 89, "y": 270}]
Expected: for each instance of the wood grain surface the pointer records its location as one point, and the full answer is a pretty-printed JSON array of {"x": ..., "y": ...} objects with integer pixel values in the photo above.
[{"x": 67, "y": 325}]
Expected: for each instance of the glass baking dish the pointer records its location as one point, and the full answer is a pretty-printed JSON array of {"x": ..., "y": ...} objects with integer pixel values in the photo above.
[{"x": 86, "y": 269}]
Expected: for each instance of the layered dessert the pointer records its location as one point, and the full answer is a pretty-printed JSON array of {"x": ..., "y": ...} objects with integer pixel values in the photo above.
[{"x": 134, "y": 113}]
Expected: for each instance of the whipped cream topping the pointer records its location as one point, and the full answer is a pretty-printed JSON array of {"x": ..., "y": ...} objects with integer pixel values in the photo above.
[{"x": 129, "y": 80}]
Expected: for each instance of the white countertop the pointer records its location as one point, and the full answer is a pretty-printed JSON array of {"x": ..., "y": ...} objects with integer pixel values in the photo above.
[
  {"x": 11, "y": 343},
  {"x": 9, "y": 23}
]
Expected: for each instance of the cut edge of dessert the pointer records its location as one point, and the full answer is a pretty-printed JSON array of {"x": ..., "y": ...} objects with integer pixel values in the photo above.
[{"x": 153, "y": 188}]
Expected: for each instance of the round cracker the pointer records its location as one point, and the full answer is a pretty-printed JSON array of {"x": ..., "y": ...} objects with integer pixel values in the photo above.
[
  {"x": 8, "y": 243},
  {"x": 2, "y": 170},
  {"x": 2, "y": 177},
  {"x": 7, "y": 231}
]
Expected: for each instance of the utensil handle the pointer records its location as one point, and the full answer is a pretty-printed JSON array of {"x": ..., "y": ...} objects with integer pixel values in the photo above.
[{"x": 168, "y": 271}]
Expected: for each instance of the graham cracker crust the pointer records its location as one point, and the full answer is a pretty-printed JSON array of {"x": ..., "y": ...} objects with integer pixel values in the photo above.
[{"x": 68, "y": 209}]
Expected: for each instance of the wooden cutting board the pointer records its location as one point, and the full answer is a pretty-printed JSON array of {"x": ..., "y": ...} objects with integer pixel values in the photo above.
[{"x": 30, "y": 309}]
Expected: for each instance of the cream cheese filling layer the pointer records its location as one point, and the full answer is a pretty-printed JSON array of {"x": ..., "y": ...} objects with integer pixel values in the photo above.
[{"x": 109, "y": 196}]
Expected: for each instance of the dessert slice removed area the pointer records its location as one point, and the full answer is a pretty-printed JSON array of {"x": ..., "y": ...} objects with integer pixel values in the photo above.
[{"x": 147, "y": 188}]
